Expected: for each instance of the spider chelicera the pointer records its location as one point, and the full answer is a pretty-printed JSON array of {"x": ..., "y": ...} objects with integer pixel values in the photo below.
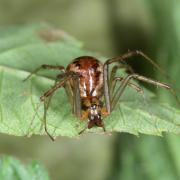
[{"x": 88, "y": 83}]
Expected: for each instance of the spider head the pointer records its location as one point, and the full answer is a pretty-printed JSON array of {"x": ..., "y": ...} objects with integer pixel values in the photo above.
[
  {"x": 94, "y": 116},
  {"x": 94, "y": 113},
  {"x": 93, "y": 107}
]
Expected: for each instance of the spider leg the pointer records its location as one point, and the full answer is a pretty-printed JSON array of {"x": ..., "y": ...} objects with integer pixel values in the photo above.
[
  {"x": 108, "y": 81},
  {"x": 69, "y": 92},
  {"x": 106, "y": 88},
  {"x": 126, "y": 80},
  {"x": 45, "y": 66},
  {"x": 73, "y": 93},
  {"x": 115, "y": 68},
  {"x": 121, "y": 60},
  {"x": 137, "y": 53},
  {"x": 46, "y": 97},
  {"x": 132, "y": 85},
  {"x": 46, "y": 106},
  {"x": 77, "y": 98},
  {"x": 57, "y": 85},
  {"x": 86, "y": 127},
  {"x": 68, "y": 89}
]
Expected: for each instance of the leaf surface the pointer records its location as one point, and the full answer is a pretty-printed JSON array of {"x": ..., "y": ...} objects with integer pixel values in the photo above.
[{"x": 19, "y": 100}]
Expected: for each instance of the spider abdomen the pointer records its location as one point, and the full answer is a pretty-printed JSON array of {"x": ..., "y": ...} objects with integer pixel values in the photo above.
[{"x": 90, "y": 72}]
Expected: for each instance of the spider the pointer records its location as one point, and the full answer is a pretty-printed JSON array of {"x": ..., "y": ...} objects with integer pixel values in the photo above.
[{"x": 88, "y": 83}]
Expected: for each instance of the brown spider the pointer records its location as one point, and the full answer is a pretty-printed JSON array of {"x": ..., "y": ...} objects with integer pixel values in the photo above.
[{"x": 86, "y": 81}]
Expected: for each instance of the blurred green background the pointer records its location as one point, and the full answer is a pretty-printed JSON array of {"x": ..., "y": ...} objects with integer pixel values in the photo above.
[{"x": 111, "y": 28}]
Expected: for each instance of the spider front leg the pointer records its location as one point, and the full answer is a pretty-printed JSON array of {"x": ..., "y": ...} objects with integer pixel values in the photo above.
[
  {"x": 57, "y": 85},
  {"x": 46, "y": 97},
  {"x": 106, "y": 88},
  {"x": 128, "y": 69},
  {"x": 121, "y": 60},
  {"x": 46, "y": 106},
  {"x": 45, "y": 66},
  {"x": 113, "y": 79},
  {"x": 130, "y": 54},
  {"x": 109, "y": 83}
]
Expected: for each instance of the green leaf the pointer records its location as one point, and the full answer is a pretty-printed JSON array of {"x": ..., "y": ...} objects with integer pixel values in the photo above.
[
  {"x": 12, "y": 169},
  {"x": 21, "y": 111}
]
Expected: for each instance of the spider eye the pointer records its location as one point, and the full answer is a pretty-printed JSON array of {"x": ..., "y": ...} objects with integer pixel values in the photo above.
[{"x": 93, "y": 106}]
